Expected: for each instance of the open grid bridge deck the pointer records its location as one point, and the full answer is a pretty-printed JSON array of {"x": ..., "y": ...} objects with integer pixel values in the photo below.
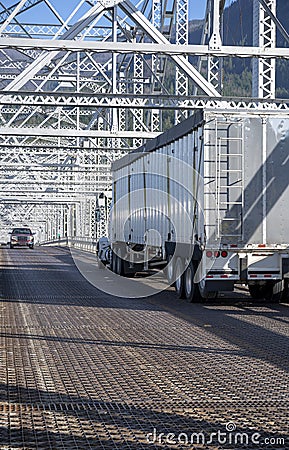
[{"x": 81, "y": 369}]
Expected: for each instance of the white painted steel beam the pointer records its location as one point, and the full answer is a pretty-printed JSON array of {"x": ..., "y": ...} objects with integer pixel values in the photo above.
[
  {"x": 145, "y": 48},
  {"x": 66, "y": 132},
  {"x": 89, "y": 102}
]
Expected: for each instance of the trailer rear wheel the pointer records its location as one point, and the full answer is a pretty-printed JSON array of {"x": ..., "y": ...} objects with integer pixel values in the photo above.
[
  {"x": 113, "y": 261},
  {"x": 204, "y": 293},
  {"x": 285, "y": 297},
  {"x": 119, "y": 266},
  {"x": 256, "y": 291},
  {"x": 127, "y": 271},
  {"x": 179, "y": 283},
  {"x": 270, "y": 291},
  {"x": 274, "y": 292},
  {"x": 169, "y": 271},
  {"x": 191, "y": 289}
]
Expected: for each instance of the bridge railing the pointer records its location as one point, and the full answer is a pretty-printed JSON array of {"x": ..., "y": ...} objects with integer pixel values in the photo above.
[{"x": 79, "y": 242}]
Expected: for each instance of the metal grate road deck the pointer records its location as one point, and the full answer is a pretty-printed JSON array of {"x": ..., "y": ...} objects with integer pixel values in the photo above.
[{"x": 84, "y": 370}]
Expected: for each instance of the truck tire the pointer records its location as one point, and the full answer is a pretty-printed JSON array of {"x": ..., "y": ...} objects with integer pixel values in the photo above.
[
  {"x": 169, "y": 271},
  {"x": 128, "y": 271},
  {"x": 256, "y": 291},
  {"x": 204, "y": 293},
  {"x": 285, "y": 297},
  {"x": 179, "y": 283},
  {"x": 274, "y": 291},
  {"x": 113, "y": 261},
  {"x": 191, "y": 289},
  {"x": 119, "y": 266},
  {"x": 270, "y": 291}
]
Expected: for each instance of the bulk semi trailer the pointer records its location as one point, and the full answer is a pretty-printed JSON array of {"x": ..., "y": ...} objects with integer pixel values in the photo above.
[{"x": 207, "y": 202}]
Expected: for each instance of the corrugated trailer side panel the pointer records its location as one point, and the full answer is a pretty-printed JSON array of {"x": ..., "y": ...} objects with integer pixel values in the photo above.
[
  {"x": 277, "y": 180},
  {"x": 120, "y": 220},
  {"x": 137, "y": 202},
  {"x": 168, "y": 179},
  {"x": 157, "y": 223},
  {"x": 254, "y": 156},
  {"x": 182, "y": 186},
  {"x": 163, "y": 219}
]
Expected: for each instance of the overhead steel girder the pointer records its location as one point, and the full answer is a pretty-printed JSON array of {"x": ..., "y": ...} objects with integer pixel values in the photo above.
[
  {"x": 144, "y": 48},
  {"x": 40, "y": 151},
  {"x": 45, "y": 182},
  {"x": 149, "y": 101},
  {"x": 41, "y": 201},
  {"x": 71, "y": 132}
]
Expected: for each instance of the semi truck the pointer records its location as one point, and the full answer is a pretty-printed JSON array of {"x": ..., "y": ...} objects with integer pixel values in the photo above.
[{"x": 207, "y": 203}]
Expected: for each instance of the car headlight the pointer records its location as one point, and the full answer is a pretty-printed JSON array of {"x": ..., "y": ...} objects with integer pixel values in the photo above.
[{"x": 14, "y": 238}]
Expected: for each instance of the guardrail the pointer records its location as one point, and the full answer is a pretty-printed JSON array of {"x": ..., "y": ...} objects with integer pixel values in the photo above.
[{"x": 82, "y": 243}]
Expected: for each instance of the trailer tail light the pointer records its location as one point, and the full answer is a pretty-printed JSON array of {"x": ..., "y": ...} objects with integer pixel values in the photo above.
[
  {"x": 220, "y": 275},
  {"x": 209, "y": 254},
  {"x": 224, "y": 254},
  {"x": 216, "y": 254},
  {"x": 262, "y": 275}
]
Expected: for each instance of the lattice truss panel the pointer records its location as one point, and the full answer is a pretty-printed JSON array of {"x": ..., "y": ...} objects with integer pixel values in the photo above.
[
  {"x": 61, "y": 154},
  {"x": 68, "y": 110},
  {"x": 264, "y": 30}
]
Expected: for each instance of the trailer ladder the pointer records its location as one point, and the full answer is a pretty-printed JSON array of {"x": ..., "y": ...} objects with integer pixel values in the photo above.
[{"x": 230, "y": 187}]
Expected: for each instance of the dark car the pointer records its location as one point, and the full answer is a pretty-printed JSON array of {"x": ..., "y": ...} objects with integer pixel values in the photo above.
[{"x": 21, "y": 237}]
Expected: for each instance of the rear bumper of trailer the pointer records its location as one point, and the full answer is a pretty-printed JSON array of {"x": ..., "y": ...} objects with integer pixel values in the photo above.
[{"x": 247, "y": 265}]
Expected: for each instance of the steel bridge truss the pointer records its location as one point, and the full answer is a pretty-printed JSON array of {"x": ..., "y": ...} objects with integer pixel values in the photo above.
[{"x": 80, "y": 90}]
